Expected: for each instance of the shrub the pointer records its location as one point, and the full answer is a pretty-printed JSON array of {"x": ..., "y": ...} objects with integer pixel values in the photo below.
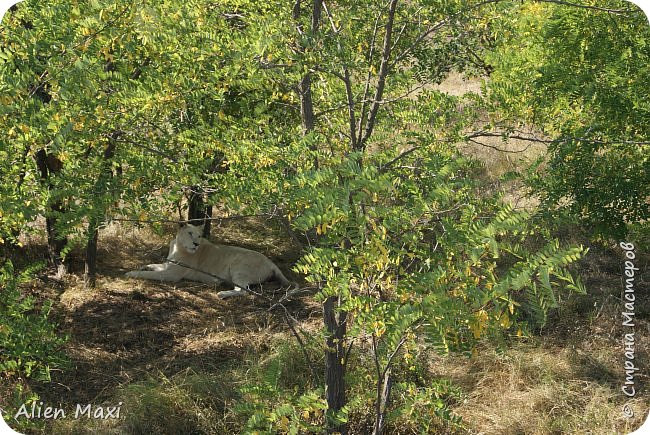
[{"x": 29, "y": 344}]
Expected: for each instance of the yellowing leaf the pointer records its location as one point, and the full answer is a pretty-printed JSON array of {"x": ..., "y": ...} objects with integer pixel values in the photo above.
[
  {"x": 505, "y": 320},
  {"x": 480, "y": 322}
]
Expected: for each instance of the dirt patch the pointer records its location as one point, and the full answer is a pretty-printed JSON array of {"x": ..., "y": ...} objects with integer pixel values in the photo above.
[{"x": 126, "y": 329}]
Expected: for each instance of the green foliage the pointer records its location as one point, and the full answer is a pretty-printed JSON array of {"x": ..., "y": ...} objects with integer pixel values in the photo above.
[
  {"x": 276, "y": 398},
  {"x": 300, "y": 414},
  {"x": 425, "y": 407},
  {"x": 29, "y": 344},
  {"x": 28, "y": 340},
  {"x": 116, "y": 78},
  {"x": 580, "y": 75},
  {"x": 413, "y": 251},
  {"x": 420, "y": 403}
]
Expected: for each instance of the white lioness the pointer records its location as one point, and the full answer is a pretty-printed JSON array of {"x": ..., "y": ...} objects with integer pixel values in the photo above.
[{"x": 190, "y": 255}]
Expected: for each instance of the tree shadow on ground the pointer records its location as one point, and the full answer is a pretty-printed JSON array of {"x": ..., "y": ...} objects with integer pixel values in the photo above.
[{"x": 130, "y": 329}]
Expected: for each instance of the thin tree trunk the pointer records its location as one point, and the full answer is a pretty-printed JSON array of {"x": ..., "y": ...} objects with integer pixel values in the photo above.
[
  {"x": 335, "y": 325},
  {"x": 335, "y": 363},
  {"x": 207, "y": 226},
  {"x": 304, "y": 87},
  {"x": 381, "y": 80},
  {"x": 90, "y": 261},
  {"x": 198, "y": 213},
  {"x": 48, "y": 165},
  {"x": 195, "y": 206},
  {"x": 306, "y": 104},
  {"x": 384, "y": 387}
]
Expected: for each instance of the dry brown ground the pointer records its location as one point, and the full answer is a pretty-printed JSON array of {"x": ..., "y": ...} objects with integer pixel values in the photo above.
[
  {"x": 569, "y": 378},
  {"x": 125, "y": 330},
  {"x": 566, "y": 380}
]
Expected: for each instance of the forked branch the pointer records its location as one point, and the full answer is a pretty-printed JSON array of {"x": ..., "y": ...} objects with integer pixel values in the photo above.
[{"x": 381, "y": 80}]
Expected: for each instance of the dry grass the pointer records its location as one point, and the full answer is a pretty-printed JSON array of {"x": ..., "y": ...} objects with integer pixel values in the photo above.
[
  {"x": 536, "y": 388},
  {"x": 566, "y": 380},
  {"x": 176, "y": 355},
  {"x": 498, "y": 156},
  {"x": 131, "y": 339},
  {"x": 516, "y": 155}
]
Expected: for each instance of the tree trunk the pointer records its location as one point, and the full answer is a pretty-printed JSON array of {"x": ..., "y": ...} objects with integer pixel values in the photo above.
[
  {"x": 198, "y": 213},
  {"x": 90, "y": 261},
  {"x": 48, "y": 165},
  {"x": 336, "y": 327},
  {"x": 384, "y": 387},
  {"x": 335, "y": 364},
  {"x": 304, "y": 87},
  {"x": 56, "y": 243},
  {"x": 306, "y": 104}
]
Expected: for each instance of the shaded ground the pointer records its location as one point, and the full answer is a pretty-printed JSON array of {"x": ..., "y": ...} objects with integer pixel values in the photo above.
[{"x": 127, "y": 329}]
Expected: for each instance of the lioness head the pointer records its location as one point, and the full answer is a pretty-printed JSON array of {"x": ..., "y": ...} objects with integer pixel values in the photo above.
[{"x": 189, "y": 237}]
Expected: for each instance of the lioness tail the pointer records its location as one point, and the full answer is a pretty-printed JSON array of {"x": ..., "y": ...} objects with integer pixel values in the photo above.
[{"x": 284, "y": 281}]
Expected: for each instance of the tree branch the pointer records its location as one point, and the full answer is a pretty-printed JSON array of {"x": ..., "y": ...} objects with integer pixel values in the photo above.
[
  {"x": 182, "y": 221},
  {"x": 381, "y": 82},
  {"x": 506, "y": 135},
  {"x": 436, "y": 27},
  {"x": 148, "y": 148},
  {"x": 345, "y": 77},
  {"x": 371, "y": 53}
]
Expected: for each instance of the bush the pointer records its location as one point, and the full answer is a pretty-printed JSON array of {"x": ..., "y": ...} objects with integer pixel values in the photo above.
[{"x": 29, "y": 345}]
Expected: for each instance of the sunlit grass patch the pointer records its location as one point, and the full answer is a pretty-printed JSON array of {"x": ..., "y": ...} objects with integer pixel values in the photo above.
[
  {"x": 187, "y": 402},
  {"x": 534, "y": 388}
]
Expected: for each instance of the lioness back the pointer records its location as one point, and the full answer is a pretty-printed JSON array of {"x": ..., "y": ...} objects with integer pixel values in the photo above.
[{"x": 239, "y": 266}]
